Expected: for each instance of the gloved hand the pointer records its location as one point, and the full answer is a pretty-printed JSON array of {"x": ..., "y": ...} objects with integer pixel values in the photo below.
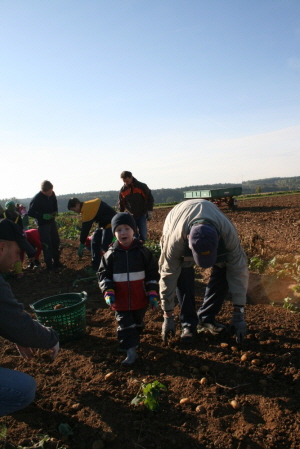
[
  {"x": 153, "y": 299},
  {"x": 149, "y": 215},
  {"x": 26, "y": 353},
  {"x": 109, "y": 297},
  {"x": 238, "y": 326},
  {"x": 47, "y": 217},
  {"x": 168, "y": 328},
  {"x": 55, "y": 350},
  {"x": 80, "y": 250}
]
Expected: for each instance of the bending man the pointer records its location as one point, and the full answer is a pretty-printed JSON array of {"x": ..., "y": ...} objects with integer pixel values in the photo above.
[{"x": 196, "y": 231}]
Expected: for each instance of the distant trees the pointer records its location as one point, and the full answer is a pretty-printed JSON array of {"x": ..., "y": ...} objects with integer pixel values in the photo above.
[{"x": 175, "y": 195}]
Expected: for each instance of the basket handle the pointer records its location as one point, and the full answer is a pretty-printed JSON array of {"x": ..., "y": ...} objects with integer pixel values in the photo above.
[{"x": 84, "y": 295}]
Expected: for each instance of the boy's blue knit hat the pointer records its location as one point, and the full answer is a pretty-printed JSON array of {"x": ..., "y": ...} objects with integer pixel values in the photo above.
[{"x": 123, "y": 218}]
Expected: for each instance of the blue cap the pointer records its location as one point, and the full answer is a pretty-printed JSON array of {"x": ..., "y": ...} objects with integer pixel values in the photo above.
[{"x": 203, "y": 241}]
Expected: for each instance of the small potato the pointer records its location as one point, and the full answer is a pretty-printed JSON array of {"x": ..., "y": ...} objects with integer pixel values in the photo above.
[
  {"x": 224, "y": 345},
  {"x": 235, "y": 404},
  {"x": 200, "y": 409},
  {"x": 58, "y": 306},
  {"x": 76, "y": 406},
  {"x": 108, "y": 376},
  {"x": 204, "y": 381},
  {"x": 244, "y": 358},
  {"x": 184, "y": 401},
  {"x": 256, "y": 362}
]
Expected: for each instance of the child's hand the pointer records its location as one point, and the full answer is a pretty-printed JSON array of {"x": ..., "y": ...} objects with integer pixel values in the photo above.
[
  {"x": 109, "y": 297},
  {"x": 153, "y": 299}
]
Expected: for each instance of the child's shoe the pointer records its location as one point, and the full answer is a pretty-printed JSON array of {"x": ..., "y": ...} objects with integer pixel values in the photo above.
[{"x": 131, "y": 357}]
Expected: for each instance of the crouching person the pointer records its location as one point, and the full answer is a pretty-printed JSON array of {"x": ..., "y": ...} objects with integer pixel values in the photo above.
[
  {"x": 128, "y": 277},
  {"x": 17, "y": 389}
]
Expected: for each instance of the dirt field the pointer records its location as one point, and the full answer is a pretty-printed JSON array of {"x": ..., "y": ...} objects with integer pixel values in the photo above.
[{"x": 76, "y": 390}]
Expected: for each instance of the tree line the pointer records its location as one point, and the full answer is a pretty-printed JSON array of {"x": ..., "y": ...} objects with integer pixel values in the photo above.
[{"x": 176, "y": 195}]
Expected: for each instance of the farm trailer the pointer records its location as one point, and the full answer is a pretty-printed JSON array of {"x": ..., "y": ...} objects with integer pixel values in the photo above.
[{"x": 217, "y": 196}]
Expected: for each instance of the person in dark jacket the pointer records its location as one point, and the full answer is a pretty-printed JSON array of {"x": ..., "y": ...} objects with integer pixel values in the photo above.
[
  {"x": 128, "y": 277},
  {"x": 43, "y": 208},
  {"x": 136, "y": 198},
  {"x": 17, "y": 389},
  {"x": 11, "y": 213},
  {"x": 94, "y": 211}
]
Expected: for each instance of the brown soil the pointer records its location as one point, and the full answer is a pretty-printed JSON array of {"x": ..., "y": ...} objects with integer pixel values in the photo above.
[{"x": 74, "y": 388}]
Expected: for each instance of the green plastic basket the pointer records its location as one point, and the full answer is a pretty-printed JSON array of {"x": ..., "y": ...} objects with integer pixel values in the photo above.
[{"x": 69, "y": 321}]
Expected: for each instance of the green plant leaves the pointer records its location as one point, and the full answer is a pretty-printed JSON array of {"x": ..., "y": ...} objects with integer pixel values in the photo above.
[{"x": 148, "y": 395}]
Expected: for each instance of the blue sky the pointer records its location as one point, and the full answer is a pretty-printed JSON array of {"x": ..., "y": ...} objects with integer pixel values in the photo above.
[{"x": 180, "y": 92}]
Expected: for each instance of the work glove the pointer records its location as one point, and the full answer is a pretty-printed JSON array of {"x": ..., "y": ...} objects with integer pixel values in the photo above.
[
  {"x": 149, "y": 215},
  {"x": 153, "y": 299},
  {"x": 55, "y": 350},
  {"x": 168, "y": 328},
  {"x": 109, "y": 297},
  {"x": 47, "y": 217},
  {"x": 26, "y": 353},
  {"x": 80, "y": 250},
  {"x": 238, "y": 326}
]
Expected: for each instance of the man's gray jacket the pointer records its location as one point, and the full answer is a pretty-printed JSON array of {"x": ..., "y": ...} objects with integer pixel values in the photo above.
[{"x": 174, "y": 248}]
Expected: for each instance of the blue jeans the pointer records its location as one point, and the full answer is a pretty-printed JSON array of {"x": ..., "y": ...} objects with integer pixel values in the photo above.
[
  {"x": 130, "y": 326},
  {"x": 141, "y": 224},
  {"x": 17, "y": 390},
  {"x": 215, "y": 293},
  {"x": 101, "y": 239}
]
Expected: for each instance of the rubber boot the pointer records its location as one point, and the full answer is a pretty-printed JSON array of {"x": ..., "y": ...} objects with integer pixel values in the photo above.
[{"x": 131, "y": 357}]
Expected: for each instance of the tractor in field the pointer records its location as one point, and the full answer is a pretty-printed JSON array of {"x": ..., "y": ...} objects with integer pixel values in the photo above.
[{"x": 217, "y": 196}]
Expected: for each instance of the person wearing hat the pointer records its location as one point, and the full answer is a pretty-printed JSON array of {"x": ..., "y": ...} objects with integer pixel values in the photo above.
[
  {"x": 94, "y": 211},
  {"x": 128, "y": 277},
  {"x": 17, "y": 389},
  {"x": 43, "y": 208},
  {"x": 197, "y": 232}
]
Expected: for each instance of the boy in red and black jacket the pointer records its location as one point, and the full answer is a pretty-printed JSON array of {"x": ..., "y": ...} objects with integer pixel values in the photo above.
[{"x": 128, "y": 276}]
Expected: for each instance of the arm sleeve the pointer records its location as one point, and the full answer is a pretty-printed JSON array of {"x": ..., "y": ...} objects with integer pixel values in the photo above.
[
  {"x": 151, "y": 271},
  {"x": 121, "y": 204},
  {"x": 170, "y": 264},
  {"x": 34, "y": 210},
  {"x": 19, "y": 327},
  {"x": 237, "y": 276},
  {"x": 55, "y": 206},
  {"x": 85, "y": 229},
  {"x": 105, "y": 273},
  {"x": 150, "y": 199}
]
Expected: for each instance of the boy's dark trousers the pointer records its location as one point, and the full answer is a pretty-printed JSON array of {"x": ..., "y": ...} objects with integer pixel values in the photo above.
[{"x": 130, "y": 326}]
